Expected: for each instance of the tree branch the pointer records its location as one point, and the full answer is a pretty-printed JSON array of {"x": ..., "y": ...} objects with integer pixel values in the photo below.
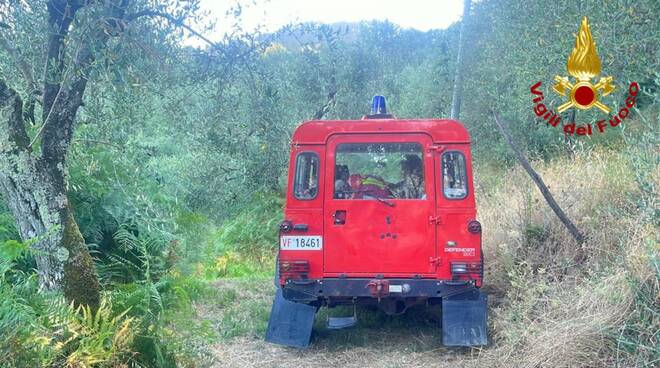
[
  {"x": 60, "y": 16},
  {"x": 21, "y": 64},
  {"x": 69, "y": 97},
  {"x": 577, "y": 235},
  {"x": 171, "y": 19},
  {"x": 326, "y": 108},
  {"x": 16, "y": 133},
  {"x": 26, "y": 70}
]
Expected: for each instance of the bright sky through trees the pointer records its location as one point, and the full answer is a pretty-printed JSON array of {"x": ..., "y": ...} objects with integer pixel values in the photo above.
[{"x": 271, "y": 15}]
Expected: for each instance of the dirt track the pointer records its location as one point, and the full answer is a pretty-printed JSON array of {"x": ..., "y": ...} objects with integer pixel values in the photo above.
[
  {"x": 382, "y": 354},
  {"x": 411, "y": 340}
]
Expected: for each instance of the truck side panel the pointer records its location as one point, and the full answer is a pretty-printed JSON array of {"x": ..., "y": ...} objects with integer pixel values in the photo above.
[
  {"x": 305, "y": 215},
  {"x": 455, "y": 243}
]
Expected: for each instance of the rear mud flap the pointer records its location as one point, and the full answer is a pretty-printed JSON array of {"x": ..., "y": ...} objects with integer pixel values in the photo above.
[
  {"x": 464, "y": 319},
  {"x": 290, "y": 323}
]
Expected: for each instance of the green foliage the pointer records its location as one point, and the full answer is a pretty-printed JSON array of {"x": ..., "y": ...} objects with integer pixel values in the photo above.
[
  {"x": 19, "y": 321},
  {"x": 638, "y": 335},
  {"x": 10, "y": 246},
  {"x": 136, "y": 257},
  {"x": 514, "y": 44},
  {"x": 179, "y": 161},
  {"x": 246, "y": 244},
  {"x": 95, "y": 338},
  {"x": 157, "y": 307},
  {"x": 11, "y": 249},
  {"x": 535, "y": 234},
  {"x": 134, "y": 323},
  {"x": 38, "y": 329},
  {"x": 7, "y": 225}
]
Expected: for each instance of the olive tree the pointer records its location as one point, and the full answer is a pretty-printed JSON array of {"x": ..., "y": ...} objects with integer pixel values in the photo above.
[{"x": 71, "y": 39}]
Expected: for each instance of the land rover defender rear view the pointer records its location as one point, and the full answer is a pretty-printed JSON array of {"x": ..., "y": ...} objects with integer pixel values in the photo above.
[{"x": 379, "y": 211}]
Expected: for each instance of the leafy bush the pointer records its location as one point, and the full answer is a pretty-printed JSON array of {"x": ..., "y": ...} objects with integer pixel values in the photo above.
[
  {"x": 133, "y": 324},
  {"x": 156, "y": 307},
  {"x": 145, "y": 256},
  {"x": 246, "y": 244},
  {"x": 95, "y": 338}
]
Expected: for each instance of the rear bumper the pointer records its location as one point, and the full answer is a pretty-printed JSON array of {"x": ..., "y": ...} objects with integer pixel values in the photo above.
[{"x": 328, "y": 288}]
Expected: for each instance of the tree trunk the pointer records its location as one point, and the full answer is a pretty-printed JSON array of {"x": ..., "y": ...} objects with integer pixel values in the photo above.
[
  {"x": 36, "y": 193},
  {"x": 458, "y": 76},
  {"x": 34, "y": 183}
]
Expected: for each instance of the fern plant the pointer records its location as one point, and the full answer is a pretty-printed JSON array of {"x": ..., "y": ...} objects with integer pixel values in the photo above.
[
  {"x": 98, "y": 338},
  {"x": 251, "y": 236},
  {"x": 136, "y": 257}
]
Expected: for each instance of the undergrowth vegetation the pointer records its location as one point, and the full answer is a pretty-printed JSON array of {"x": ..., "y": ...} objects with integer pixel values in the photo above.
[
  {"x": 132, "y": 325},
  {"x": 246, "y": 243},
  {"x": 176, "y": 171},
  {"x": 570, "y": 305}
]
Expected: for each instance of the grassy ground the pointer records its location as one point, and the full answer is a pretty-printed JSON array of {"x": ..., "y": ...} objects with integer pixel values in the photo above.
[
  {"x": 240, "y": 309},
  {"x": 553, "y": 303}
]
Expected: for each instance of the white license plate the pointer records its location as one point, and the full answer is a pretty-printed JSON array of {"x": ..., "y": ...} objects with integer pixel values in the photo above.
[
  {"x": 396, "y": 288},
  {"x": 307, "y": 242}
]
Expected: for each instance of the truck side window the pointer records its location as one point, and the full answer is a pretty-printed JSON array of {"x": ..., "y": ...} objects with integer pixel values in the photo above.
[
  {"x": 305, "y": 185},
  {"x": 454, "y": 180}
]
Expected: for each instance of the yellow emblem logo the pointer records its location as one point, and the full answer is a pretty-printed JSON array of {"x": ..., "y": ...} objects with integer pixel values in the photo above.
[{"x": 583, "y": 64}]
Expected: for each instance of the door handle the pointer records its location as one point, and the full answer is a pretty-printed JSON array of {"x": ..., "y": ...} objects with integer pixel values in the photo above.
[
  {"x": 300, "y": 227},
  {"x": 339, "y": 217}
]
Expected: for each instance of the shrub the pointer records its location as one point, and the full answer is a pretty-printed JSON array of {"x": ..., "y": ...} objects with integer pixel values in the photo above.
[{"x": 246, "y": 243}]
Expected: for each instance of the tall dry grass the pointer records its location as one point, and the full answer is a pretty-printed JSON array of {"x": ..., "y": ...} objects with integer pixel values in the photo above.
[{"x": 564, "y": 304}]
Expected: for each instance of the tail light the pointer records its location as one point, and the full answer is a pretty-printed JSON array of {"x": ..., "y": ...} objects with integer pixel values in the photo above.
[
  {"x": 294, "y": 269},
  {"x": 474, "y": 227},
  {"x": 467, "y": 270},
  {"x": 286, "y": 226}
]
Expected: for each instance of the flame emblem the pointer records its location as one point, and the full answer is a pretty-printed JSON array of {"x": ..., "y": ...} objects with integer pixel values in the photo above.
[{"x": 583, "y": 64}]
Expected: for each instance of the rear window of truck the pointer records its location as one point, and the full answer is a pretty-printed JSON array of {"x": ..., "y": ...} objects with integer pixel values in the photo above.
[{"x": 379, "y": 170}]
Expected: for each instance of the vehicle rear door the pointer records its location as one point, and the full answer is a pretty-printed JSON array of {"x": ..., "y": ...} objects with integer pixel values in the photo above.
[{"x": 382, "y": 226}]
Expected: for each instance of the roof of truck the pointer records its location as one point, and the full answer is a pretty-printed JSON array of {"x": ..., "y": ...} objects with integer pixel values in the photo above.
[{"x": 440, "y": 130}]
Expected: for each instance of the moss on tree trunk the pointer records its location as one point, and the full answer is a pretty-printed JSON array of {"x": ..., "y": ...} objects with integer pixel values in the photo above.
[{"x": 80, "y": 283}]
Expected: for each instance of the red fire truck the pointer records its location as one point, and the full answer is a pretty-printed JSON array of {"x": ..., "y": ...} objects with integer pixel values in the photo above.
[{"x": 379, "y": 211}]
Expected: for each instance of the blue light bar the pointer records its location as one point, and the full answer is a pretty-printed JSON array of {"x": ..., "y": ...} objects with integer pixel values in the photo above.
[{"x": 378, "y": 105}]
